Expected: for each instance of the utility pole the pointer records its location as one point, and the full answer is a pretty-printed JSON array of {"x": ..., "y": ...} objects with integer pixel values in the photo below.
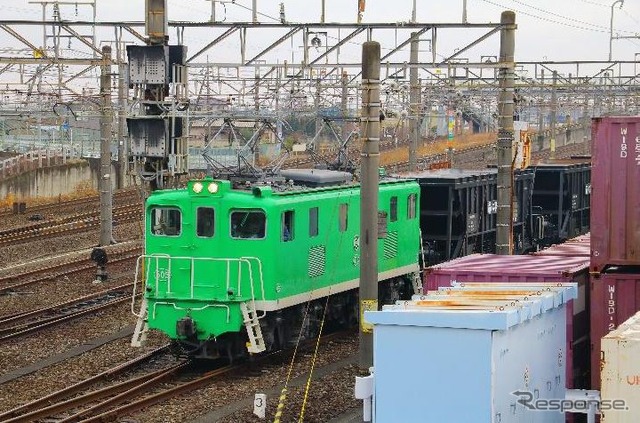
[
  {"x": 504, "y": 227},
  {"x": 316, "y": 105},
  {"x": 541, "y": 116},
  {"x": 464, "y": 11},
  {"x": 158, "y": 131},
  {"x": 414, "y": 106},
  {"x": 370, "y": 160},
  {"x": 552, "y": 116},
  {"x": 413, "y": 12},
  {"x": 106, "y": 118},
  {"x": 586, "y": 127},
  {"x": 585, "y": 115},
  {"x": 122, "y": 122},
  {"x": 254, "y": 9},
  {"x": 256, "y": 95},
  {"x": 611, "y": 27},
  {"x": 213, "y": 10},
  {"x": 343, "y": 103}
]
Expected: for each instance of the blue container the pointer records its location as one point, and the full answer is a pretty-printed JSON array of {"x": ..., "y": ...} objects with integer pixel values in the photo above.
[{"x": 459, "y": 354}]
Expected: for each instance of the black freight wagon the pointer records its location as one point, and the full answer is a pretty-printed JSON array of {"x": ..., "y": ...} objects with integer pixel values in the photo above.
[
  {"x": 561, "y": 199},
  {"x": 458, "y": 212}
]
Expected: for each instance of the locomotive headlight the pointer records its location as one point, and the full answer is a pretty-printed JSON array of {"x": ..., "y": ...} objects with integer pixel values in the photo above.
[
  {"x": 212, "y": 188},
  {"x": 197, "y": 187}
]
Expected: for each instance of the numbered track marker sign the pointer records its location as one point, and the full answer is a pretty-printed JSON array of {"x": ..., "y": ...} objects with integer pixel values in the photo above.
[{"x": 260, "y": 405}]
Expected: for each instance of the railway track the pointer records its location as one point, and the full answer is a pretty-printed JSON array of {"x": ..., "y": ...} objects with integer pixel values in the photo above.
[
  {"x": 354, "y": 154},
  {"x": 178, "y": 387},
  {"x": 126, "y": 197},
  {"x": 127, "y": 396},
  {"x": 68, "y": 225},
  {"x": 100, "y": 398},
  {"x": 423, "y": 163},
  {"x": 20, "y": 324},
  {"x": 162, "y": 386},
  {"x": 15, "y": 283},
  {"x": 66, "y": 398}
]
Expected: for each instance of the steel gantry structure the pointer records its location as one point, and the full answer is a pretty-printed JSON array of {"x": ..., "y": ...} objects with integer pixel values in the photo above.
[{"x": 241, "y": 67}]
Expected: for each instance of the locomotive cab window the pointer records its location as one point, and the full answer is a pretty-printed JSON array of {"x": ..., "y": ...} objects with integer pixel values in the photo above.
[
  {"x": 313, "y": 222},
  {"x": 287, "y": 226},
  {"x": 247, "y": 224},
  {"x": 411, "y": 206},
  {"x": 205, "y": 218},
  {"x": 344, "y": 216},
  {"x": 393, "y": 209},
  {"x": 166, "y": 221}
]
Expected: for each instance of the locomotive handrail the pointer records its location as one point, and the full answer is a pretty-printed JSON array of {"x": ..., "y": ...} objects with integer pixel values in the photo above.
[
  {"x": 135, "y": 280},
  {"x": 253, "y": 297},
  {"x": 249, "y": 261}
]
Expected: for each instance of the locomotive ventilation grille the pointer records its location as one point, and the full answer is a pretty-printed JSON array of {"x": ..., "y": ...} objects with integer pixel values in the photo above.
[
  {"x": 391, "y": 245},
  {"x": 317, "y": 261}
]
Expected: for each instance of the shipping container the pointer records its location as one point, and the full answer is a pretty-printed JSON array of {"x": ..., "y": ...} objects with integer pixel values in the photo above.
[
  {"x": 614, "y": 298},
  {"x": 582, "y": 238},
  {"x": 458, "y": 212},
  {"x": 561, "y": 199},
  {"x": 461, "y": 359},
  {"x": 534, "y": 269},
  {"x": 574, "y": 247},
  {"x": 568, "y": 249},
  {"x": 621, "y": 372},
  {"x": 615, "y": 235}
]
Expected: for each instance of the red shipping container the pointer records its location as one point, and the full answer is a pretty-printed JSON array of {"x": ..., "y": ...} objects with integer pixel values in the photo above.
[
  {"x": 614, "y": 298},
  {"x": 586, "y": 238},
  {"x": 615, "y": 199},
  {"x": 568, "y": 249},
  {"x": 579, "y": 246},
  {"x": 531, "y": 268}
]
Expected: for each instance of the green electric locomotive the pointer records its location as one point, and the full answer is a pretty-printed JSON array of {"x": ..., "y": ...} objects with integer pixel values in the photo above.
[{"x": 230, "y": 268}]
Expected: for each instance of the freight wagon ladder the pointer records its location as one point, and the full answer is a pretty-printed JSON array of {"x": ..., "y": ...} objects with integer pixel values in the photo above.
[
  {"x": 250, "y": 317},
  {"x": 142, "y": 326}
]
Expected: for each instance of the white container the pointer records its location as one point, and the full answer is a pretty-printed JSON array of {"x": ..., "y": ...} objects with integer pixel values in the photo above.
[
  {"x": 620, "y": 363},
  {"x": 467, "y": 354}
]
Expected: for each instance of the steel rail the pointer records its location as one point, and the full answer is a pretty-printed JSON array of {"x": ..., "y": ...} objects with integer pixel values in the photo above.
[
  {"x": 122, "y": 216},
  {"x": 60, "y": 270},
  {"x": 27, "y": 412},
  {"x": 17, "y": 331},
  {"x": 119, "y": 196}
]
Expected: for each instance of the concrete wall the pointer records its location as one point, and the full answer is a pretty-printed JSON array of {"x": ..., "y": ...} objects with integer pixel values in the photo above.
[{"x": 53, "y": 181}]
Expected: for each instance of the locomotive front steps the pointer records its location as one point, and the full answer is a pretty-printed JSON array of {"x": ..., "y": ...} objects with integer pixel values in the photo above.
[
  {"x": 142, "y": 327},
  {"x": 250, "y": 317}
]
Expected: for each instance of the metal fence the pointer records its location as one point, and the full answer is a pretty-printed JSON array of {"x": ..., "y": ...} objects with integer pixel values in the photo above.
[
  {"x": 32, "y": 160},
  {"x": 85, "y": 144}
]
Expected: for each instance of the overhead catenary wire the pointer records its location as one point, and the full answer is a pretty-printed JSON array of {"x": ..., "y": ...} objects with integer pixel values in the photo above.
[
  {"x": 606, "y": 28},
  {"x": 631, "y": 16},
  {"x": 259, "y": 13},
  {"x": 594, "y": 3},
  {"x": 542, "y": 18}
]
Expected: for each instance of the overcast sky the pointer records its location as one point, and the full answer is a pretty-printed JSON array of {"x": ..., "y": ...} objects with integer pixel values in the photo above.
[{"x": 551, "y": 29}]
